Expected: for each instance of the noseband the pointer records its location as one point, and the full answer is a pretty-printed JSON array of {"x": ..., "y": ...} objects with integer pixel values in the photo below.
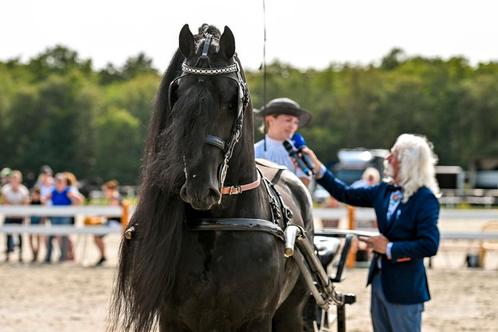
[{"x": 232, "y": 72}]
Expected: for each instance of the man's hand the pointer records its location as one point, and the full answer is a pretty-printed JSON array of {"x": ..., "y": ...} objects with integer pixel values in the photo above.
[
  {"x": 376, "y": 243},
  {"x": 307, "y": 151}
]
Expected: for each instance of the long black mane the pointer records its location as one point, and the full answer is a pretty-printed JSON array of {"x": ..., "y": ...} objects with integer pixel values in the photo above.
[{"x": 148, "y": 263}]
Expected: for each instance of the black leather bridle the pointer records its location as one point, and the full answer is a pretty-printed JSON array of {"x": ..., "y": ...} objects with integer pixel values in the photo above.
[{"x": 232, "y": 72}]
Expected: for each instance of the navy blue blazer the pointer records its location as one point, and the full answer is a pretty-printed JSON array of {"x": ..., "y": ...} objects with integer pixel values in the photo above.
[{"x": 412, "y": 229}]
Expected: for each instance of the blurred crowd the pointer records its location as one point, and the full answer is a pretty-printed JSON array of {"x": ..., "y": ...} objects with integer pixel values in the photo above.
[{"x": 60, "y": 189}]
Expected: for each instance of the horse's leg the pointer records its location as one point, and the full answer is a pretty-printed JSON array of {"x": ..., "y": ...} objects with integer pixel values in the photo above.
[{"x": 289, "y": 316}]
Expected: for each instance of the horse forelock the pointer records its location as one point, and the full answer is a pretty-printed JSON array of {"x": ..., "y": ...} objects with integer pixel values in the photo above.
[{"x": 206, "y": 28}]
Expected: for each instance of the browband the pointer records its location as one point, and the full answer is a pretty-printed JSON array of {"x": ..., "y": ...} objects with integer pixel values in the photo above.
[{"x": 209, "y": 71}]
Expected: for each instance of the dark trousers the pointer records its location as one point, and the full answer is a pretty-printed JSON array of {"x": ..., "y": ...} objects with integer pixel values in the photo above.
[{"x": 10, "y": 238}]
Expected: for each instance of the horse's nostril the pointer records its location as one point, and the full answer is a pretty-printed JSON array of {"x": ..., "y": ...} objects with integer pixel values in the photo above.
[{"x": 215, "y": 194}]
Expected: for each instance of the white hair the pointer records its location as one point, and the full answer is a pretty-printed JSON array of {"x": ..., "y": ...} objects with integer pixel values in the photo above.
[{"x": 417, "y": 160}]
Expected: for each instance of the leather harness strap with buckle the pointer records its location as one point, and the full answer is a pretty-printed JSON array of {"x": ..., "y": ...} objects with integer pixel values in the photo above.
[{"x": 239, "y": 189}]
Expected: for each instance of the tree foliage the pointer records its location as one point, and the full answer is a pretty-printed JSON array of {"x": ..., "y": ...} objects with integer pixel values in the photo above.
[{"x": 57, "y": 109}]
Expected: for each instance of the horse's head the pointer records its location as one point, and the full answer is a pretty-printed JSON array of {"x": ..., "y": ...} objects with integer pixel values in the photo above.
[{"x": 207, "y": 102}]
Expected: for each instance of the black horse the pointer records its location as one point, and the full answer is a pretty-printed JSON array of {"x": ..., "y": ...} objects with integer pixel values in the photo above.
[{"x": 199, "y": 165}]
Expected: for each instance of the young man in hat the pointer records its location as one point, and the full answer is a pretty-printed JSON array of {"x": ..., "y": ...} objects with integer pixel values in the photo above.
[{"x": 282, "y": 117}]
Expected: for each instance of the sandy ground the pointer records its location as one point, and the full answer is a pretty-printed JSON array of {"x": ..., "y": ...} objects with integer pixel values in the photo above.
[
  {"x": 74, "y": 296},
  {"x": 66, "y": 297}
]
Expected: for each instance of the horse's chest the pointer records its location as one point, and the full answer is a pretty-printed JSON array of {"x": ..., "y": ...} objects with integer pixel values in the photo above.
[
  {"x": 227, "y": 254},
  {"x": 226, "y": 269}
]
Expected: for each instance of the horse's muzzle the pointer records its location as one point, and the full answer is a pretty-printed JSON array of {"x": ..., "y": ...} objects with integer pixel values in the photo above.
[{"x": 200, "y": 198}]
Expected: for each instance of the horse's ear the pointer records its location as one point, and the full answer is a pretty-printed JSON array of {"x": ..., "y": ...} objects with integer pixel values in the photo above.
[
  {"x": 227, "y": 43},
  {"x": 186, "y": 42}
]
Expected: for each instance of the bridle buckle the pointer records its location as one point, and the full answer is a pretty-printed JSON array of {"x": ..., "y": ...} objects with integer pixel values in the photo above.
[{"x": 235, "y": 190}]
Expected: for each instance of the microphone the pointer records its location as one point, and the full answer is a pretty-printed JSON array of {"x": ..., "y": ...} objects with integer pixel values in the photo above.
[
  {"x": 298, "y": 140},
  {"x": 293, "y": 153},
  {"x": 299, "y": 143}
]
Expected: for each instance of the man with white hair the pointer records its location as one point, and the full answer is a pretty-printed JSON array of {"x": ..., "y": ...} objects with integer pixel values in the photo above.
[{"x": 407, "y": 212}]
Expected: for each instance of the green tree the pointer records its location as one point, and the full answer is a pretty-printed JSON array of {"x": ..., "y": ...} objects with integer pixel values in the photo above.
[
  {"x": 58, "y": 60},
  {"x": 119, "y": 146},
  {"x": 138, "y": 65},
  {"x": 56, "y": 109},
  {"x": 52, "y": 123}
]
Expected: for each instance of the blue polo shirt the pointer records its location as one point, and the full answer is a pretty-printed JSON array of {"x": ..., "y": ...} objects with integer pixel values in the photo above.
[{"x": 61, "y": 198}]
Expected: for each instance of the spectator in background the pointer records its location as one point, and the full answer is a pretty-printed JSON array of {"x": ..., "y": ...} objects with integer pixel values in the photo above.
[
  {"x": 370, "y": 177},
  {"x": 14, "y": 193},
  {"x": 113, "y": 198},
  {"x": 72, "y": 183},
  {"x": 61, "y": 196},
  {"x": 4, "y": 176},
  {"x": 45, "y": 182},
  {"x": 35, "y": 240}
]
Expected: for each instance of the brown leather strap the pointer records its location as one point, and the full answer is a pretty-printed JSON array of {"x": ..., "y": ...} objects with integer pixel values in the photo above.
[{"x": 235, "y": 190}]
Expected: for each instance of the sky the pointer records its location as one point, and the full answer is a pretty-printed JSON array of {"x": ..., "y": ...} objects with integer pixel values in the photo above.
[{"x": 304, "y": 33}]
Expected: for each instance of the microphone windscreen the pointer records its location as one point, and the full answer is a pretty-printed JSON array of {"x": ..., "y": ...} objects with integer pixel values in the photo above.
[{"x": 298, "y": 140}]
